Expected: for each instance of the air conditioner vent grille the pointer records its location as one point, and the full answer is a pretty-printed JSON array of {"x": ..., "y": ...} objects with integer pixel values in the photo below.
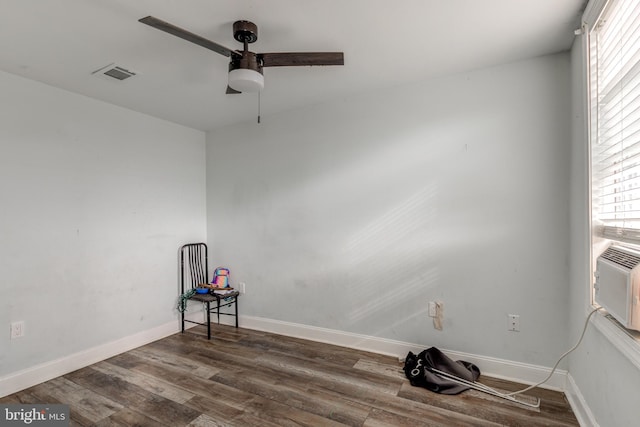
[{"x": 619, "y": 257}]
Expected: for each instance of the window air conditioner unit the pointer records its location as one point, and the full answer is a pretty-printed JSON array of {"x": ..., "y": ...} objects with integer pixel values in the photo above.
[{"x": 618, "y": 285}]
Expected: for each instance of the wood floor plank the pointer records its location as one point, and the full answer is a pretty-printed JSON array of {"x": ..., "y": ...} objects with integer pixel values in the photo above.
[
  {"x": 223, "y": 412},
  {"x": 147, "y": 382},
  {"x": 331, "y": 371},
  {"x": 206, "y": 421},
  {"x": 197, "y": 385},
  {"x": 217, "y": 409},
  {"x": 88, "y": 403},
  {"x": 115, "y": 389},
  {"x": 405, "y": 408},
  {"x": 12, "y": 399},
  {"x": 252, "y": 378},
  {"x": 294, "y": 397},
  {"x": 380, "y": 418},
  {"x": 166, "y": 411},
  {"x": 128, "y": 417},
  {"x": 180, "y": 363},
  {"x": 268, "y": 411},
  {"x": 134, "y": 397},
  {"x": 283, "y": 414},
  {"x": 386, "y": 369}
]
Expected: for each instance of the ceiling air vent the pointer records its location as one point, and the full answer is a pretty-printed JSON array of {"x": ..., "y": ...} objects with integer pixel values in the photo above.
[{"x": 113, "y": 71}]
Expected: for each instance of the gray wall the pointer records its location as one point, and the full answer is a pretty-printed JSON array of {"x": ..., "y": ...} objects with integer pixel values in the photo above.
[
  {"x": 351, "y": 215},
  {"x": 608, "y": 381},
  {"x": 95, "y": 201}
]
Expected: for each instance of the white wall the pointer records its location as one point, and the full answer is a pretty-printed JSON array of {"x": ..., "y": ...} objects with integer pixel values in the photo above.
[
  {"x": 94, "y": 203},
  {"x": 608, "y": 381},
  {"x": 352, "y": 215}
]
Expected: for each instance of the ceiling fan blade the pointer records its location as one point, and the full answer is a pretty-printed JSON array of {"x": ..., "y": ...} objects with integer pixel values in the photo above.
[
  {"x": 188, "y": 36},
  {"x": 292, "y": 59},
  {"x": 231, "y": 91}
]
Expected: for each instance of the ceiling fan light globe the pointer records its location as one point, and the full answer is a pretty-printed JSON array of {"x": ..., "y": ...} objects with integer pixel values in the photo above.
[{"x": 244, "y": 80}]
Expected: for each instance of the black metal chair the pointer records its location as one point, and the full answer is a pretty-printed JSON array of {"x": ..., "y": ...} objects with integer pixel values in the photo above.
[{"x": 194, "y": 271}]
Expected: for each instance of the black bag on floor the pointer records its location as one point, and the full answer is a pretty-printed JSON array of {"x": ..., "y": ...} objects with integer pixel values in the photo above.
[{"x": 418, "y": 370}]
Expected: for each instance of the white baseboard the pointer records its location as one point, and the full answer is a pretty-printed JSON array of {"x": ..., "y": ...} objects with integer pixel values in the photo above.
[
  {"x": 490, "y": 366},
  {"x": 29, "y": 377},
  {"x": 34, "y": 375},
  {"x": 499, "y": 368},
  {"x": 579, "y": 405}
]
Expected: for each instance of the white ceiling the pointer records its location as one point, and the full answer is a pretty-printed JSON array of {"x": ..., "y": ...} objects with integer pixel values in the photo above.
[{"x": 385, "y": 42}]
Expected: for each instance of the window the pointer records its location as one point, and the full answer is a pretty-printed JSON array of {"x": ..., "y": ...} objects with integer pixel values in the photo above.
[
  {"x": 614, "y": 63},
  {"x": 614, "y": 131}
]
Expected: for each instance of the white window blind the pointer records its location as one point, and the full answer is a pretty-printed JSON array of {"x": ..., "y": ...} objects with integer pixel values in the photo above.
[{"x": 614, "y": 60}]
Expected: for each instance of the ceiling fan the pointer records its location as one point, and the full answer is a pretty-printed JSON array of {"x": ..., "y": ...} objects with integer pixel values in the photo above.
[{"x": 245, "y": 68}]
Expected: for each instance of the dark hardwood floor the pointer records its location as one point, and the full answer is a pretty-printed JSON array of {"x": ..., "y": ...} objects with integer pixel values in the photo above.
[{"x": 248, "y": 378}]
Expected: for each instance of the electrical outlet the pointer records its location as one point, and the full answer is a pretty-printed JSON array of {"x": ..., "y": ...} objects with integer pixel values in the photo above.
[
  {"x": 17, "y": 329},
  {"x": 514, "y": 323},
  {"x": 241, "y": 286}
]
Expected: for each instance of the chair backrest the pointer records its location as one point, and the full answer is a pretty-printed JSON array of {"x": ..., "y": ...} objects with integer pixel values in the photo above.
[{"x": 194, "y": 265}]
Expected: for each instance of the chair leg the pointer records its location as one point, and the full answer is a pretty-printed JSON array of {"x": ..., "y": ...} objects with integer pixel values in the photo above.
[
  {"x": 236, "y": 304},
  {"x": 182, "y": 318},
  {"x": 208, "y": 321},
  {"x": 218, "y": 300}
]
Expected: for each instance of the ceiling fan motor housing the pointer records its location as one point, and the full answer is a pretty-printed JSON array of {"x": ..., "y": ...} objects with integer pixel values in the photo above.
[{"x": 249, "y": 61}]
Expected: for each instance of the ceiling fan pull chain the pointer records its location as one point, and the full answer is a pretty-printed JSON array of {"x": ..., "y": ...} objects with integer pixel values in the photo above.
[{"x": 258, "y": 107}]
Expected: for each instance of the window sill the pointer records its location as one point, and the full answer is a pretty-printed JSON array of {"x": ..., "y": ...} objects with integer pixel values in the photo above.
[{"x": 627, "y": 342}]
